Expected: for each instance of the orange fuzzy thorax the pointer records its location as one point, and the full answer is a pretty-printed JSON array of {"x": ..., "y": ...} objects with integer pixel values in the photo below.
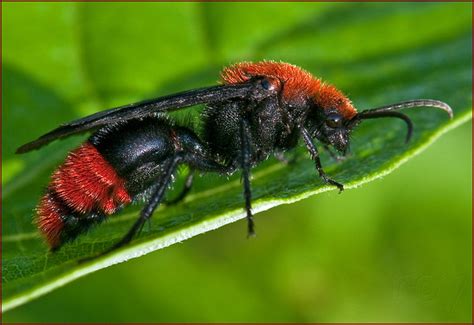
[{"x": 298, "y": 84}]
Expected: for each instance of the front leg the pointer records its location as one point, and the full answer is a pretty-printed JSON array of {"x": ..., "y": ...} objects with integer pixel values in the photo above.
[{"x": 313, "y": 151}]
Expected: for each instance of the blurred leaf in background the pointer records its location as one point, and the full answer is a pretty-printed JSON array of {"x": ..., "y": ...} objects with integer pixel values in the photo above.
[{"x": 398, "y": 249}]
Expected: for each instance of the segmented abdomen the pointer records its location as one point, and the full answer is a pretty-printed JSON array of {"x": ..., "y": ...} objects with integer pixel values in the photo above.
[{"x": 84, "y": 185}]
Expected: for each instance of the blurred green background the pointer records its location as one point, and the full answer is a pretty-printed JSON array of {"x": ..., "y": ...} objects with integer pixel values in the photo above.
[{"x": 397, "y": 249}]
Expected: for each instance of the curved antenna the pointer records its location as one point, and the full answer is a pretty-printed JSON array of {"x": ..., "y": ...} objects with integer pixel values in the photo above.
[
  {"x": 410, "y": 104},
  {"x": 399, "y": 115},
  {"x": 391, "y": 111}
]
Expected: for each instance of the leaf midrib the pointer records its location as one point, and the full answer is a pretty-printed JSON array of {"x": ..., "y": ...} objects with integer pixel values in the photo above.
[
  {"x": 235, "y": 184},
  {"x": 179, "y": 235}
]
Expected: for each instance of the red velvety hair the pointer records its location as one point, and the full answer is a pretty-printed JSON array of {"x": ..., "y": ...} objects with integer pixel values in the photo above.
[
  {"x": 298, "y": 84},
  {"x": 84, "y": 183}
]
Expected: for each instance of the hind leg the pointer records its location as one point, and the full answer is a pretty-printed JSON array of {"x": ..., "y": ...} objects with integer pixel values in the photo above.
[{"x": 148, "y": 210}]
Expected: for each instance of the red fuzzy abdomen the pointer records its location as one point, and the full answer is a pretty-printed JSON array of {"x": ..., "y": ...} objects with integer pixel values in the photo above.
[{"x": 84, "y": 184}]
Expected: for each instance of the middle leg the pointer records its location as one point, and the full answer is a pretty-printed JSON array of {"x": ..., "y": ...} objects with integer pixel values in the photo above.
[{"x": 246, "y": 156}]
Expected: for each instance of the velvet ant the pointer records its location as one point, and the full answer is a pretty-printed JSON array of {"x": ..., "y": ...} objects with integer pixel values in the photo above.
[{"x": 260, "y": 109}]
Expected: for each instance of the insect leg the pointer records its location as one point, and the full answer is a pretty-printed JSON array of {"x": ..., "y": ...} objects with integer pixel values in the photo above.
[
  {"x": 246, "y": 166},
  {"x": 147, "y": 212},
  {"x": 313, "y": 151},
  {"x": 187, "y": 187}
]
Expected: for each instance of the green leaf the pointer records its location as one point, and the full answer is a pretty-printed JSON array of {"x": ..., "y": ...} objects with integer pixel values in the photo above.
[{"x": 78, "y": 58}]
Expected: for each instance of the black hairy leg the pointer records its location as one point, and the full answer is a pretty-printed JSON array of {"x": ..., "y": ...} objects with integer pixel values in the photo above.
[
  {"x": 148, "y": 210},
  {"x": 313, "y": 151},
  {"x": 246, "y": 156}
]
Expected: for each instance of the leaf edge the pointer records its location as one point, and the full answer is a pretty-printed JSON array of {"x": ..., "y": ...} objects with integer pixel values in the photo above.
[{"x": 218, "y": 221}]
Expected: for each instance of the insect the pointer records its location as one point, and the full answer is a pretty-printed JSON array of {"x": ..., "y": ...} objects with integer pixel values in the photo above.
[{"x": 260, "y": 109}]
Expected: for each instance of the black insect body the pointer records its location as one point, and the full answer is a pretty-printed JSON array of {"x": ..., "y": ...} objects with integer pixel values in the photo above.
[
  {"x": 261, "y": 109},
  {"x": 119, "y": 163},
  {"x": 142, "y": 151}
]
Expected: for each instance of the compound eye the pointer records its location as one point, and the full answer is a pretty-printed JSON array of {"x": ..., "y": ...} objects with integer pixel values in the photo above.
[
  {"x": 266, "y": 84},
  {"x": 334, "y": 120},
  {"x": 269, "y": 83}
]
